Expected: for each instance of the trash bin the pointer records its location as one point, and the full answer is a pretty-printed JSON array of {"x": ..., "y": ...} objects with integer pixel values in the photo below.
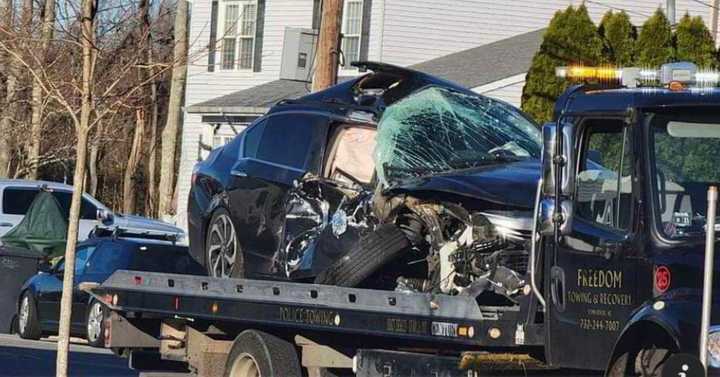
[{"x": 16, "y": 266}]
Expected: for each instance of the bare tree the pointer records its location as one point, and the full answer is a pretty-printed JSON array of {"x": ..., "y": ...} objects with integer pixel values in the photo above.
[
  {"x": 82, "y": 129},
  {"x": 37, "y": 103},
  {"x": 172, "y": 126},
  {"x": 133, "y": 163},
  {"x": 11, "y": 91}
]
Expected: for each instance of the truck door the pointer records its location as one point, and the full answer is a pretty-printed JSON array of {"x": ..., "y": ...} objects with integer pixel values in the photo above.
[{"x": 591, "y": 273}]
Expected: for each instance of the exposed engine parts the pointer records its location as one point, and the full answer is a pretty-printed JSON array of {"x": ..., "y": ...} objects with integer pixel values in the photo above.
[
  {"x": 466, "y": 253},
  {"x": 461, "y": 252}
]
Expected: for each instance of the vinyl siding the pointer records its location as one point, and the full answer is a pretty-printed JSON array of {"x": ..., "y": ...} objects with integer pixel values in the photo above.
[{"x": 418, "y": 30}]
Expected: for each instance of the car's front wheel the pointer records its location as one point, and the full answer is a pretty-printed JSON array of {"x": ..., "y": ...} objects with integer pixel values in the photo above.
[
  {"x": 28, "y": 324},
  {"x": 223, "y": 254},
  {"x": 94, "y": 328}
]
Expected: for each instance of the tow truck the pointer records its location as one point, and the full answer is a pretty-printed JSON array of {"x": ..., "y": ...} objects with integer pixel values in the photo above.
[{"x": 619, "y": 280}]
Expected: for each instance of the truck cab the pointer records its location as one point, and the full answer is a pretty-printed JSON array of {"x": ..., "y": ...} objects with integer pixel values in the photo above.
[{"x": 622, "y": 207}]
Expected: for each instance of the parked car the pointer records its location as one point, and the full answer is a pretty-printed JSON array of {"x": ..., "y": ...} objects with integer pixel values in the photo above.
[
  {"x": 395, "y": 180},
  {"x": 38, "y": 305},
  {"x": 17, "y": 195}
]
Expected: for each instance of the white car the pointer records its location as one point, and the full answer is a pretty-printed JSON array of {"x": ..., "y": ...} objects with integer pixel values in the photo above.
[{"x": 17, "y": 195}]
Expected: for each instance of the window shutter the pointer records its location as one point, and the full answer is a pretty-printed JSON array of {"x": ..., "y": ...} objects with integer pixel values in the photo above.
[
  {"x": 259, "y": 29},
  {"x": 317, "y": 14},
  {"x": 213, "y": 36},
  {"x": 365, "y": 38}
]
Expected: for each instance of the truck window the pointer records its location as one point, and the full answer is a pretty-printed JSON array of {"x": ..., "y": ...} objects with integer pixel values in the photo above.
[
  {"x": 88, "y": 211},
  {"x": 604, "y": 180},
  {"x": 17, "y": 200}
]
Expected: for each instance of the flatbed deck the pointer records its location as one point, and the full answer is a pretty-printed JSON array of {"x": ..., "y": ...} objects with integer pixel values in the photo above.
[{"x": 411, "y": 316}]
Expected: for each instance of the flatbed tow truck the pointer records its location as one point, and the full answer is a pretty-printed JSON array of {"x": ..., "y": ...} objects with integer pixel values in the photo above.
[{"x": 615, "y": 281}]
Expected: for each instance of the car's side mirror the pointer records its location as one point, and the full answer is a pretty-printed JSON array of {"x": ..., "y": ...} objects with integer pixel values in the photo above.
[
  {"x": 44, "y": 266},
  {"x": 105, "y": 216}
]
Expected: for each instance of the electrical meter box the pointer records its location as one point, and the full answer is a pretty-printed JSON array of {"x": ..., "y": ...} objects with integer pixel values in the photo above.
[{"x": 298, "y": 55}]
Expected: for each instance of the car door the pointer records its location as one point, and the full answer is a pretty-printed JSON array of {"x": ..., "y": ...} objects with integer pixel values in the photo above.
[
  {"x": 338, "y": 196},
  {"x": 592, "y": 273},
  {"x": 276, "y": 152},
  {"x": 51, "y": 294},
  {"x": 16, "y": 201}
]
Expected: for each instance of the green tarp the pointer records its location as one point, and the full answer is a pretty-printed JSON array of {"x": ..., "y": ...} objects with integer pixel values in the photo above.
[{"x": 43, "y": 229}]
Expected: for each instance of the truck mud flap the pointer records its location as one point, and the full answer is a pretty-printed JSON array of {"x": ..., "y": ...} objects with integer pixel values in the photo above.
[{"x": 379, "y": 363}]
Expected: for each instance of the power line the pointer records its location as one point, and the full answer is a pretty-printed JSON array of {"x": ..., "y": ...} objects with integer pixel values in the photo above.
[
  {"x": 705, "y": 4},
  {"x": 616, "y": 8}
]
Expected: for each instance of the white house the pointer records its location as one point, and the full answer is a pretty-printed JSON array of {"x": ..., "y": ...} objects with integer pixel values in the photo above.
[{"x": 485, "y": 45}]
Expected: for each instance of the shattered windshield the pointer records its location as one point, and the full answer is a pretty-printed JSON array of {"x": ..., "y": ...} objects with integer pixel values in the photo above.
[{"x": 438, "y": 130}]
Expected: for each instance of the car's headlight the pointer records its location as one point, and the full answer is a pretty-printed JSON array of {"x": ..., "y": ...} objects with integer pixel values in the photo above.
[{"x": 713, "y": 347}]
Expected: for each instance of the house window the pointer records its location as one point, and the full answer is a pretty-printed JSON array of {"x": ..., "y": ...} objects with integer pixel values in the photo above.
[
  {"x": 238, "y": 33},
  {"x": 352, "y": 31}
]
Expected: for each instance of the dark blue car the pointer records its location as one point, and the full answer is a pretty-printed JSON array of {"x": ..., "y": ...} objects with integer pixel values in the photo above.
[
  {"x": 96, "y": 259},
  {"x": 393, "y": 180}
]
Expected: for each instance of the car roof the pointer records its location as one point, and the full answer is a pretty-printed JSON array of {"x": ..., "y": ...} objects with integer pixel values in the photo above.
[
  {"x": 586, "y": 100},
  {"x": 26, "y": 183}
]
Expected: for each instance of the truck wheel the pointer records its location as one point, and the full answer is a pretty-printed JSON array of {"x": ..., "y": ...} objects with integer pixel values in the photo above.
[
  {"x": 94, "y": 326},
  {"x": 367, "y": 256},
  {"x": 647, "y": 362},
  {"x": 28, "y": 324},
  {"x": 223, "y": 254},
  {"x": 257, "y": 354}
]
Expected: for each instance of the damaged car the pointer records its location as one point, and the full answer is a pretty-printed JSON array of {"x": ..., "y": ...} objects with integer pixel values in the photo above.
[{"x": 394, "y": 180}]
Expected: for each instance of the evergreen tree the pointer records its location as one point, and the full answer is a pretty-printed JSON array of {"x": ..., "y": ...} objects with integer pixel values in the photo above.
[
  {"x": 694, "y": 43},
  {"x": 618, "y": 36},
  {"x": 571, "y": 38},
  {"x": 654, "y": 44}
]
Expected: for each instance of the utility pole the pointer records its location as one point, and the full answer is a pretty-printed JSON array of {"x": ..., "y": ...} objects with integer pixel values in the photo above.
[
  {"x": 327, "y": 53},
  {"x": 670, "y": 10}
]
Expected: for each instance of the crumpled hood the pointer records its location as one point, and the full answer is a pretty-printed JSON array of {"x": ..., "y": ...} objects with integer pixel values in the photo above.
[{"x": 512, "y": 184}]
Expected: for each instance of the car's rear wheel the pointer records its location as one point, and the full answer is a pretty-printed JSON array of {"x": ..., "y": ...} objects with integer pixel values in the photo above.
[
  {"x": 95, "y": 331},
  {"x": 223, "y": 254},
  {"x": 28, "y": 324}
]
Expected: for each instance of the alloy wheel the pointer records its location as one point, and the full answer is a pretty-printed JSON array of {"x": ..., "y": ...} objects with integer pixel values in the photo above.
[
  {"x": 245, "y": 366},
  {"x": 222, "y": 247},
  {"x": 24, "y": 314},
  {"x": 94, "y": 322}
]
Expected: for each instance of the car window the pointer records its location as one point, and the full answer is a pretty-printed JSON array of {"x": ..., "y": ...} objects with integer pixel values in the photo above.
[
  {"x": 292, "y": 140},
  {"x": 82, "y": 255},
  {"x": 109, "y": 257},
  {"x": 17, "y": 200},
  {"x": 352, "y": 154},
  {"x": 252, "y": 139},
  {"x": 167, "y": 259},
  {"x": 88, "y": 211},
  {"x": 604, "y": 181}
]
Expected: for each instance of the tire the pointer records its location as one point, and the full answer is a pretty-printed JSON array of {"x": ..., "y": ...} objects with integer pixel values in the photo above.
[
  {"x": 255, "y": 353},
  {"x": 371, "y": 253},
  {"x": 222, "y": 245},
  {"x": 94, "y": 326},
  {"x": 646, "y": 362},
  {"x": 28, "y": 323}
]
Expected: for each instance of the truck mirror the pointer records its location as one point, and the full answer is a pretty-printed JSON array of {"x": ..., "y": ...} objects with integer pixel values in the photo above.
[
  {"x": 567, "y": 158},
  {"x": 548, "y": 221}
]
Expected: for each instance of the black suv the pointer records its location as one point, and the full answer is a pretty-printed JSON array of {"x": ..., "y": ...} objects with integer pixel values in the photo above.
[{"x": 395, "y": 179}]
